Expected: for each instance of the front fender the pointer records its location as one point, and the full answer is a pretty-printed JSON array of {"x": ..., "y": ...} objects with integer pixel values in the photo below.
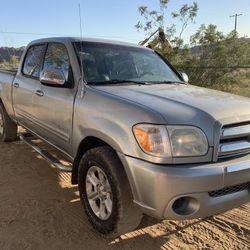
[{"x": 111, "y": 119}]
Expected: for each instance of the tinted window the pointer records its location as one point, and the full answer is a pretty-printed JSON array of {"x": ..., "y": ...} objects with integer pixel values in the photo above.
[
  {"x": 57, "y": 58},
  {"x": 33, "y": 59}
]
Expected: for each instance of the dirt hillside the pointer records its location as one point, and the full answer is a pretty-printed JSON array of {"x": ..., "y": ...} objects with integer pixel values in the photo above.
[{"x": 41, "y": 210}]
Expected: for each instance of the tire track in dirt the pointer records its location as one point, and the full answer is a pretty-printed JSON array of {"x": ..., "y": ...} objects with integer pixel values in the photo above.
[{"x": 40, "y": 209}]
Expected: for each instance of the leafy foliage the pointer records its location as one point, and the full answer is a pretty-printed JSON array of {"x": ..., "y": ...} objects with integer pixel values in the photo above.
[
  {"x": 153, "y": 20},
  {"x": 186, "y": 15},
  {"x": 218, "y": 57},
  {"x": 214, "y": 58}
]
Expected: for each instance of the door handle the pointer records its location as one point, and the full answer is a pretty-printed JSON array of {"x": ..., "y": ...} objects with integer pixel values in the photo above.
[
  {"x": 16, "y": 85},
  {"x": 39, "y": 93}
]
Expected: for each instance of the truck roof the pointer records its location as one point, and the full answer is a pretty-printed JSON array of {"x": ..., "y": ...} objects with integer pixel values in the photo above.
[{"x": 84, "y": 39}]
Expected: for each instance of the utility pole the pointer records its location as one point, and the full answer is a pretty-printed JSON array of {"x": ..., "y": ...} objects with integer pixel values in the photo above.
[{"x": 236, "y": 20}]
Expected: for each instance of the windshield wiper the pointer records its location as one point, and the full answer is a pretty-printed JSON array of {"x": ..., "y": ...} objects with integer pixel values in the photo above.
[
  {"x": 117, "y": 81},
  {"x": 168, "y": 82}
]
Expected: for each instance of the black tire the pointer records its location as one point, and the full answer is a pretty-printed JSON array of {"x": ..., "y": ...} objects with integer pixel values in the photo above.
[
  {"x": 9, "y": 128},
  {"x": 125, "y": 216}
]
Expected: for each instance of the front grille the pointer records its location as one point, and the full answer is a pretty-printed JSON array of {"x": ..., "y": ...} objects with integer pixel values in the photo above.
[
  {"x": 230, "y": 190},
  {"x": 234, "y": 140}
]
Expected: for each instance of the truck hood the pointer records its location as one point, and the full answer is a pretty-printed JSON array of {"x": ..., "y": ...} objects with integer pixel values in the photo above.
[{"x": 185, "y": 104}]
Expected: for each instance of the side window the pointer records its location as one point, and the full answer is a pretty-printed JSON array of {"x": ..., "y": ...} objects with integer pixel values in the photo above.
[
  {"x": 57, "y": 58},
  {"x": 33, "y": 59}
]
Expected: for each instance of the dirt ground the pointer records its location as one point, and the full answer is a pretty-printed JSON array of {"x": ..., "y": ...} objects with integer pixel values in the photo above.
[{"x": 39, "y": 209}]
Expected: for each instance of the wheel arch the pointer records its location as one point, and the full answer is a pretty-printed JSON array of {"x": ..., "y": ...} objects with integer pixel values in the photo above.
[{"x": 86, "y": 144}]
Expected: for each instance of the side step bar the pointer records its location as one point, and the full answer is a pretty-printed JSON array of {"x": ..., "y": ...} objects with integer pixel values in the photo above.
[{"x": 27, "y": 138}]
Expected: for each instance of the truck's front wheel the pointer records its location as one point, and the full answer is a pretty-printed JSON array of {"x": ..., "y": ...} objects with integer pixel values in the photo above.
[
  {"x": 8, "y": 129},
  {"x": 105, "y": 193}
]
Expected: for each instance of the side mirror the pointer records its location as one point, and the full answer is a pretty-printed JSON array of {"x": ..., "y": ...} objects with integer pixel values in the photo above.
[
  {"x": 184, "y": 76},
  {"x": 52, "y": 77}
]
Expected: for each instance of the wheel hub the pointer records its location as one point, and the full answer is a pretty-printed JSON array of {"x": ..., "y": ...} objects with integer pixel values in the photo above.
[{"x": 99, "y": 193}]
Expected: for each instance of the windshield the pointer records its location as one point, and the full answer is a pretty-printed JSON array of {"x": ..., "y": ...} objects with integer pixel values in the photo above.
[{"x": 113, "y": 63}]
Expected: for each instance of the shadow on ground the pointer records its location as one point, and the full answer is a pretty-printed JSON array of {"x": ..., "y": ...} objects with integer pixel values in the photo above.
[{"x": 40, "y": 209}]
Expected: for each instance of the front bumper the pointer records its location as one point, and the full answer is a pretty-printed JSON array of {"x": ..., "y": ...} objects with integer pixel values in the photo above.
[{"x": 181, "y": 192}]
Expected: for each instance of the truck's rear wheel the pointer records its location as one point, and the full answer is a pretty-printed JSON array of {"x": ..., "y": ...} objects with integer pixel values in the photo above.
[
  {"x": 105, "y": 193},
  {"x": 8, "y": 129}
]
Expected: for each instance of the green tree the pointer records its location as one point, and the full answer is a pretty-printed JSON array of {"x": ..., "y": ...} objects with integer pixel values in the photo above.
[
  {"x": 213, "y": 60},
  {"x": 218, "y": 56},
  {"x": 168, "y": 41}
]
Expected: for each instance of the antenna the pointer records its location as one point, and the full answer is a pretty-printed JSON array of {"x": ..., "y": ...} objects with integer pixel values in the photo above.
[
  {"x": 80, "y": 19},
  {"x": 81, "y": 52}
]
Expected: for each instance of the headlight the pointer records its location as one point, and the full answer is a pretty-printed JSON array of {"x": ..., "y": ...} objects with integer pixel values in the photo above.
[
  {"x": 187, "y": 141},
  {"x": 166, "y": 141}
]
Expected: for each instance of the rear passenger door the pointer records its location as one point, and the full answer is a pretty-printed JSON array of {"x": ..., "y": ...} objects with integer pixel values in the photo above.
[
  {"x": 25, "y": 85},
  {"x": 54, "y": 107}
]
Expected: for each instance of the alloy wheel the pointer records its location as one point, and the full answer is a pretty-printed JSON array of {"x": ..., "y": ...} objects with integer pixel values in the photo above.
[{"x": 99, "y": 193}]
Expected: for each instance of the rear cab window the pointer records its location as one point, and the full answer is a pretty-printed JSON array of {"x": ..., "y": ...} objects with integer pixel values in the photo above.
[{"x": 33, "y": 60}]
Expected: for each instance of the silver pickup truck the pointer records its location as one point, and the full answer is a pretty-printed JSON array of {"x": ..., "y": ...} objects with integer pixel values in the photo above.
[{"x": 141, "y": 140}]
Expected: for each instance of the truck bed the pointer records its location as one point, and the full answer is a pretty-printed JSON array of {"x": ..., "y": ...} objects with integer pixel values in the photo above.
[
  {"x": 7, "y": 76},
  {"x": 6, "y": 82},
  {"x": 9, "y": 71}
]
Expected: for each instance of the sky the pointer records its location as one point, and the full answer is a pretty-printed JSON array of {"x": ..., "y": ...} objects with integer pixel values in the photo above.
[{"x": 110, "y": 19}]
